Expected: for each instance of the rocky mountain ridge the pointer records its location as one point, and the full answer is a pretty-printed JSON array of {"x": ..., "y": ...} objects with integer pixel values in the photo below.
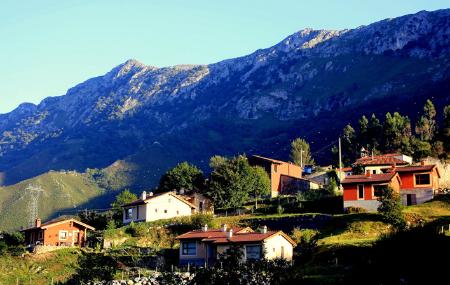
[{"x": 310, "y": 75}]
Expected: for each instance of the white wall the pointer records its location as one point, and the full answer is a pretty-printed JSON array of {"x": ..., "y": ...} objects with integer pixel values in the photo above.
[
  {"x": 272, "y": 247},
  {"x": 165, "y": 207}
]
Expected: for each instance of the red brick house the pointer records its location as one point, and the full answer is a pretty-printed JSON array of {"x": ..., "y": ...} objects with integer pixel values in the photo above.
[
  {"x": 281, "y": 173},
  {"x": 362, "y": 190},
  {"x": 419, "y": 183},
  {"x": 67, "y": 232}
]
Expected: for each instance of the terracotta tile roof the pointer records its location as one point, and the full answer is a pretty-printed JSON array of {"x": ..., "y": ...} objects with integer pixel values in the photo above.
[
  {"x": 417, "y": 168},
  {"x": 373, "y": 178},
  {"x": 345, "y": 169},
  {"x": 58, "y": 221},
  {"x": 213, "y": 233},
  {"x": 142, "y": 202},
  {"x": 239, "y": 236},
  {"x": 385, "y": 159}
]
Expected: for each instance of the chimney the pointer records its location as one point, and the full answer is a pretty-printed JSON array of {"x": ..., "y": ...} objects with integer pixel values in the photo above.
[
  {"x": 144, "y": 195},
  {"x": 150, "y": 194},
  {"x": 224, "y": 227},
  {"x": 205, "y": 228},
  {"x": 230, "y": 233},
  {"x": 37, "y": 222},
  {"x": 181, "y": 191},
  {"x": 394, "y": 166},
  {"x": 264, "y": 230},
  {"x": 368, "y": 174}
]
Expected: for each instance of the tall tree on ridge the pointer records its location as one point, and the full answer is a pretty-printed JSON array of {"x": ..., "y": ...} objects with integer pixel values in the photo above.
[{"x": 301, "y": 152}]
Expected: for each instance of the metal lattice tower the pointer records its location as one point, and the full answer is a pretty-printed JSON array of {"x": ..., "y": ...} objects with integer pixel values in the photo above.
[{"x": 33, "y": 206}]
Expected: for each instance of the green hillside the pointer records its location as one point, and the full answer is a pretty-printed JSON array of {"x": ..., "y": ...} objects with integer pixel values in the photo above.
[{"x": 63, "y": 193}]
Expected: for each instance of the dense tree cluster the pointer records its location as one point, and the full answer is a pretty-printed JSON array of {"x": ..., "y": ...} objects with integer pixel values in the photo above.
[{"x": 396, "y": 134}]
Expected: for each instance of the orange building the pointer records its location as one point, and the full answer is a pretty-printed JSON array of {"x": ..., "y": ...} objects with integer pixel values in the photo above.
[
  {"x": 68, "y": 232},
  {"x": 419, "y": 183},
  {"x": 281, "y": 173},
  {"x": 362, "y": 191}
]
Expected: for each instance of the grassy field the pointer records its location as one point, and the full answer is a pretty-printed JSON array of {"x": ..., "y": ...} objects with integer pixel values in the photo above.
[{"x": 38, "y": 270}]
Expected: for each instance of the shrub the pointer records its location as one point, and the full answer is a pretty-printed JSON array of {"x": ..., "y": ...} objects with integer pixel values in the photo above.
[
  {"x": 137, "y": 230},
  {"x": 199, "y": 220},
  {"x": 355, "y": 210},
  {"x": 280, "y": 210},
  {"x": 306, "y": 240},
  {"x": 391, "y": 208}
]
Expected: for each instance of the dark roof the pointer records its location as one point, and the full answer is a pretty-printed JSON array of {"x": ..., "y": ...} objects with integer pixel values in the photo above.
[{"x": 373, "y": 178}]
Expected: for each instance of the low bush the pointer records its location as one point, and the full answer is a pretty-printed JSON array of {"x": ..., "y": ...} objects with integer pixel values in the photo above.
[{"x": 355, "y": 210}]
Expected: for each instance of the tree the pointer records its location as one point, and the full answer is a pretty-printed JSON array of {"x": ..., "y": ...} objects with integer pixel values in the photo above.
[
  {"x": 421, "y": 148},
  {"x": 363, "y": 131},
  {"x": 375, "y": 132},
  {"x": 397, "y": 133},
  {"x": 261, "y": 183},
  {"x": 446, "y": 128},
  {"x": 391, "y": 208},
  {"x": 122, "y": 198},
  {"x": 183, "y": 176},
  {"x": 300, "y": 152},
  {"x": 349, "y": 148},
  {"x": 233, "y": 181},
  {"x": 426, "y": 126}
]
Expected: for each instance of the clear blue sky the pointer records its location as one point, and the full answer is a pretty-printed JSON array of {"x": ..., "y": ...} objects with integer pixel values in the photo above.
[{"x": 48, "y": 46}]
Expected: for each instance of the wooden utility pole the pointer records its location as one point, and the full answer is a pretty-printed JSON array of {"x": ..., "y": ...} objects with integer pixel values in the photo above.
[{"x": 340, "y": 159}]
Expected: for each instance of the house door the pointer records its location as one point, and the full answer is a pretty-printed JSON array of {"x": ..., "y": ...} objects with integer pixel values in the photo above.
[
  {"x": 410, "y": 199},
  {"x": 76, "y": 238},
  {"x": 282, "y": 252}
]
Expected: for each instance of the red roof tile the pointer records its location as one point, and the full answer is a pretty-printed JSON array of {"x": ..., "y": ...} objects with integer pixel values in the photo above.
[
  {"x": 239, "y": 236},
  {"x": 385, "y": 159},
  {"x": 418, "y": 168},
  {"x": 373, "y": 178}
]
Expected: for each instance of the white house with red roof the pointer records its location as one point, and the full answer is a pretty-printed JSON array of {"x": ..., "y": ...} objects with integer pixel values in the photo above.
[
  {"x": 151, "y": 207},
  {"x": 204, "y": 247}
]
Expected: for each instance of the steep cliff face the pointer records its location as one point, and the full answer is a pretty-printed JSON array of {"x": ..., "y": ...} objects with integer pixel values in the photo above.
[{"x": 306, "y": 85}]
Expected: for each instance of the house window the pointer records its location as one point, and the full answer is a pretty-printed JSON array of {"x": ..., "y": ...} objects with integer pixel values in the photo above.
[
  {"x": 63, "y": 235},
  {"x": 129, "y": 214},
  {"x": 41, "y": 235},
  {"x": 360, "y": 191},
  {"x": 165, "y": 211},
  {"x": 178, "y": 212},
  {"x": 189, "y": 248},
  {"x": 156, "y": 210},
  {"x": 253, "y": 252},
  {"x": 422, "y": 179},
  {"x": 170, "y": 200},
  {"x": 374, "y": 171},
  {"x": 275, "y": 168},
  {"x": 378, "y": 190}
]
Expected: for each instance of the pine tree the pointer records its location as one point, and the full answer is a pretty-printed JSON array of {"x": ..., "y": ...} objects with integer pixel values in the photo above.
[
  {"x": 426, "y": 126},
  {"x": 300, "y": 152}
]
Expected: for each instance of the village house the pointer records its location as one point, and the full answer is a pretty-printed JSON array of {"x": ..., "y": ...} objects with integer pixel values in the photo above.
[
  {"x": 382, "y": 163},
  {"x": 67, "y": 232},
  {"x": 362, "y": 191},
  {"x": 281, "y": 173},
  {"x": 203, "y": 204},
  {"x": 419, "y": 183},
  {"x": 151, "y": 207},
  {"x": 204, "y": 247}
]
